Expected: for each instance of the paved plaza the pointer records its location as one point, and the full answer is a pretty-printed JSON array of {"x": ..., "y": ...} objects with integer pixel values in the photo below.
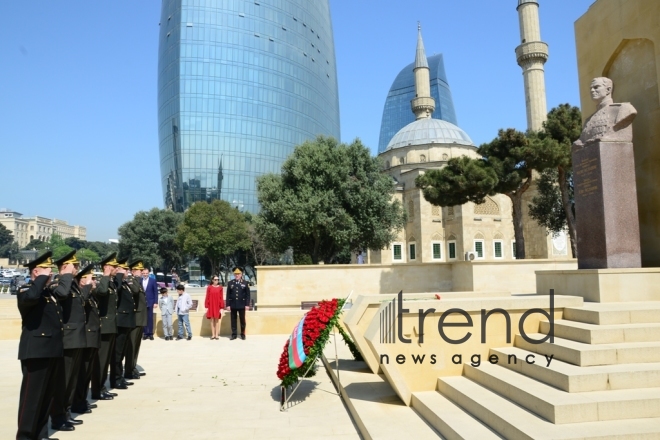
[{"x": 199, "y": 389}]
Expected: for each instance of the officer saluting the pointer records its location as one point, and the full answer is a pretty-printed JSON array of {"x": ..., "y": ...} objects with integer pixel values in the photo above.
[
  {"x": 39, "y": 349},
  {"x": 106, "y": 297},
  {"x": 238, "y": 298}
]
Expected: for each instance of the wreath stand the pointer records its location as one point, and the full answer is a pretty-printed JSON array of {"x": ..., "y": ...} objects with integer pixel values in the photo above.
[{"x": 284, "y": 397}]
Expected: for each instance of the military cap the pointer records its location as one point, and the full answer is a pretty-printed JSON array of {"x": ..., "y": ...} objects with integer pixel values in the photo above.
[
  {"x": 109, "y": 260},
  {"x": 136, "y": 265},
  {"x": 69, "y": 258},
  {"x": 237, "y": 269},
  {"x": 122, "y": 262},
  {"x": 87, "y": 271},
  {"x": 43, "y": 260}
]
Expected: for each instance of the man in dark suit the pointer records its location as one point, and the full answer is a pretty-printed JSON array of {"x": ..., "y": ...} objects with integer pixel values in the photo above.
[
  {"x": 150, "y": 287},
  {"x": 135, "y": 337},
  {"x": 238, "y": 298},
  {"x": 74, "y": 340},
  {"x": 93, "y": 334},
  {"x": 128, "y": 290},
  {"x": 106, "y": 298},
  {"x": 39, "y": 349}
]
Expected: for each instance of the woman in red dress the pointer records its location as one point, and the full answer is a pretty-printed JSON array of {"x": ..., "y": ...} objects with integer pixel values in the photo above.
[{"x": 214, "y": 303}]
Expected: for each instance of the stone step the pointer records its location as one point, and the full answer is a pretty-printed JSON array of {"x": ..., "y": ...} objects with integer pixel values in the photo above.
[
  {"x": 585, "y": 355},
  {"x": 574, "y": 379},
  {"x": 512, "y": 421},
  {"x": 560, "y": 407},
  {"x": 615, "y": 313},
  {"x": 449, "y": 419},
  {"x": 604, "y": 333}
]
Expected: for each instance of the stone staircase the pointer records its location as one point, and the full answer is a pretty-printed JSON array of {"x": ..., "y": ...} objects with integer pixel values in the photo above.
[{"x": 603, "y": 382}]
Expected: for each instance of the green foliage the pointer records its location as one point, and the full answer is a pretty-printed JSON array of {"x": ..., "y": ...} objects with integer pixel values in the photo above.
[
  {"x": 87, "y": 256},
  {"x": 75, "y": 242},
  {"x": 6, "y": 236},
  {"x": 546, "y": 208},
  {"x": 329, "y": 198},
  {"x": 555, "y": 206},
  {"x": 36, "y": 244},
  {"x": 151, "y": 236},
  {"x": 10, "y": 250},
  {"x": 101, "y": 248},
  {"x": 213, "y": 230},
  {"x": 58, "y": 246},
  {"x": 462, "y": 180}
]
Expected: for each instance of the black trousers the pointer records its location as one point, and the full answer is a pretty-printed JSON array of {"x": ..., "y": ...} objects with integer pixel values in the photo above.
[
  {"x": 135, "y": 341},
  {"x": 241, "y": 315},
  {"x": 35, "y": 398},
  {"x": 149, "y": 329},
  {"x": 84, "y": 377},
  {"x": 65, "y": 385},
  {"x": 100, "y": 365},
  {"x": 121, "y": 345}
]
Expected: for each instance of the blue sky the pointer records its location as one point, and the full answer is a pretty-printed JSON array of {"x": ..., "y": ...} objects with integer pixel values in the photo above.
[{"x": 78, "y": 89}]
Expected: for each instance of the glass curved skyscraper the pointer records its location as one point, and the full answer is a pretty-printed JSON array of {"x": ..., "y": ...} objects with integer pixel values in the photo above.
[
  {"x": 397, "y": 112},
  {"x": 240, "y": 84}
]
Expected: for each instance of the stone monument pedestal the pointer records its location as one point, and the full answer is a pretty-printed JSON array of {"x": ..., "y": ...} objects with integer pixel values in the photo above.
[{"x": 606, "y": 206}]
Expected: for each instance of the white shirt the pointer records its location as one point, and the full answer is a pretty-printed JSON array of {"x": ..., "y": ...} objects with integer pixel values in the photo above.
[{"x": 145, "y": 281}]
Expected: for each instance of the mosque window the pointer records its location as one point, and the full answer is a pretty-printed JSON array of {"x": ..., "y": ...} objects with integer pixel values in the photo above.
[
  {"x": 387, "y": 165},
  {"x": 411, "y": 210},
  {"x": 445, "y": 156},
  {"x": 451, "y": 248},
  {"x": 450, "y": 211},
  {"x": 422, "y": 158},
  {"x": 435, "y": 211},
  {"x": 402, "y": 160}
]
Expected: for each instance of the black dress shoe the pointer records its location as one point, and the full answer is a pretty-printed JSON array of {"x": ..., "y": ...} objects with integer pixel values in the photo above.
[
  {"x": 121, "y": 386},
  {"x": 49, "y": 438},
  {"x": 127, "y": 383},
  {"x": 151, "y": 338},
  {"x": 132, "y": 376},
  {"x": 144, "y": 337},
  {"x": 81, "y": 410},
  {"x": 92, "y": 405},
  {"x": 63, "y": 427},
  {"x": 243, "y": 337},
  {"x": 232, "y": 337},
  {"x": 75, "y": 422}
]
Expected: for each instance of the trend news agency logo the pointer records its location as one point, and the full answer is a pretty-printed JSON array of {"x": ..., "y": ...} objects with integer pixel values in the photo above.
[{"x": 391, "y": 330}]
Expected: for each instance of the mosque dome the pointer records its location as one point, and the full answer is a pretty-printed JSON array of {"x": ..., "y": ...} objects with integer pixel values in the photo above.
[{"x": 429, "y": 131}]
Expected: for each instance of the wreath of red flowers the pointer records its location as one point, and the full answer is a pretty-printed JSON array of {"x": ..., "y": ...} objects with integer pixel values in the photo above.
[{"x": 317, "y": 326}]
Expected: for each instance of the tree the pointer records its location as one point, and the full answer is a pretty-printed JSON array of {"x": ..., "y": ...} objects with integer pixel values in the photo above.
[
  {"x": 213, "y": 230},
  {"x": 37, "y": 244},
  {"x": 560, "y": 130},
  {"x": 506, "y": 167},
  {"x": 6, "y": 236},
  {"x": 330, "y": 198},
  {"x": 87, "y": 256},
  {"x": 102, "y": 248},
  {"x": 58, "y": 246},
  {"x": 75, "y": 242},
  {"x": 151, "y": 236}
]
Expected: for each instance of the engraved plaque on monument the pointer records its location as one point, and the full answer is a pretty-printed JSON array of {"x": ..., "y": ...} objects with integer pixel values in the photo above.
[{"x": 605, "y": 192}]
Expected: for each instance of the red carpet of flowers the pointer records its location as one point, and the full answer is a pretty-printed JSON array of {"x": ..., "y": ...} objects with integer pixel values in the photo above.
[{"x": 319, "y": 321}]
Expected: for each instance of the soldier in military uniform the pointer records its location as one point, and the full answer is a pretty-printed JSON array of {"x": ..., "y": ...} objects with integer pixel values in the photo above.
[
  {"x": 39, "y": 350},
  {"x": 238, "y": 298},
  {"x": 135, "y": 337},
  {"x": 127, "y": 295},
  {"x": 93, "y": 333},
  {"x": 106, "y": 298},
  {"x": 74, "y": 340}
]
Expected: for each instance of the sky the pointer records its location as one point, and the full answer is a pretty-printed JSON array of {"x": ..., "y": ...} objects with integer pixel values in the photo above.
[{"x": 78, "y": 111}]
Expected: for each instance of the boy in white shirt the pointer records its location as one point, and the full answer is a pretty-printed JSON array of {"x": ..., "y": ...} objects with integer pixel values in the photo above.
[{"x": 183, "y": 305}]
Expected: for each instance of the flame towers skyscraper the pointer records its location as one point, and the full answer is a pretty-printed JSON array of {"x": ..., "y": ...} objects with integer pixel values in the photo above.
[{"x": 240, "y": 84}]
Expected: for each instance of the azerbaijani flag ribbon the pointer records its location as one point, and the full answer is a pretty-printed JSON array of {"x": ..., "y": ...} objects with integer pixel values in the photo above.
[{"x": 296, "y": 351}]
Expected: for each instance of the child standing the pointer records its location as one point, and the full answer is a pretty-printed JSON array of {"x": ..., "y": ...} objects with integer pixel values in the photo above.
[
  {"x": 183, "y": 306},
  {"x": 166, "y": 306}
]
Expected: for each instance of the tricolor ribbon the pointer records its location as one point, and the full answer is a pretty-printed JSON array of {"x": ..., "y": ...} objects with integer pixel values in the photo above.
[{"x": 296, "y": 350}]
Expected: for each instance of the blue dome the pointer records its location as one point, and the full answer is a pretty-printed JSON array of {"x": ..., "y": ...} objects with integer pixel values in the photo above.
[{"x": 429, "y": 131}]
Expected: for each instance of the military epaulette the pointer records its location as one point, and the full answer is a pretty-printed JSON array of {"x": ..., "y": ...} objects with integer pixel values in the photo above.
[{"x": 25, "y": 287}]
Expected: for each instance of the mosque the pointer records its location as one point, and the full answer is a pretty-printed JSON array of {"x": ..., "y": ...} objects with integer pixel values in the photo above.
[{"x": 456, "y": 233}]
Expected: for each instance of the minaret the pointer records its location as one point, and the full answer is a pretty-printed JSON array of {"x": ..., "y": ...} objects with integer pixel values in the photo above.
[
  {"x": 423, "y": 104},
  {"x": 532, "y": 55}
]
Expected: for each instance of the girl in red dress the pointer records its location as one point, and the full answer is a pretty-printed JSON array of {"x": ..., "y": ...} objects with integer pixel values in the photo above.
[{"x": 214, "y": 303}]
